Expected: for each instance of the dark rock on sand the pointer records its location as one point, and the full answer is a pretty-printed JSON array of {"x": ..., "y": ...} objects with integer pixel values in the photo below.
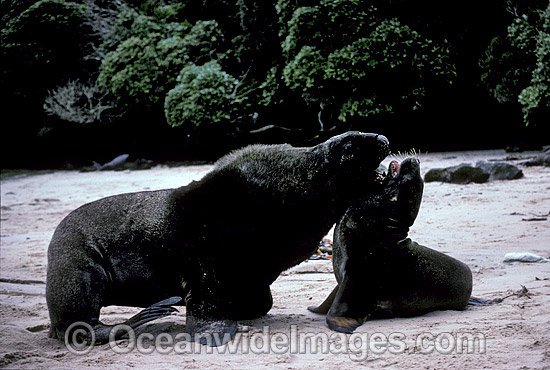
[
  {"x": 543, "y": 159},
  {"x": 464, "y": 173},
  {"x": 483, "y": 171},
  {"x": 500, "y": 170}
]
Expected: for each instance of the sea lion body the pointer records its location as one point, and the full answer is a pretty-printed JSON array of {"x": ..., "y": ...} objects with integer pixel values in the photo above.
[
  {"x": 218, "y": 242},
  {"x": 380, "y": 272}
]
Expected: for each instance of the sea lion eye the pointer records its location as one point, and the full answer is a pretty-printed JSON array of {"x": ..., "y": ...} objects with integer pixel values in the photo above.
[{"x": 348, "y": 151}]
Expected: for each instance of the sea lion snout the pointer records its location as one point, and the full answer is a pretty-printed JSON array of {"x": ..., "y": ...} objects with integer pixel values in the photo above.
[
  {"x": 382, "y": 146},
  {"x": 408, "y": 167},
  {"x": 359, "y": 148},
  {"x": 403, "y": 190}
]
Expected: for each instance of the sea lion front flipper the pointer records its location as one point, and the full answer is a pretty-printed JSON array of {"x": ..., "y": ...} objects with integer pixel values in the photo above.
[
  {"x": 349, "y": 309},
  {"x": 324, "y": 307},
  {"x": 211, "y": 332},
  {"x": 153, "y": 312},
  {"x": 209, "y": 320}
]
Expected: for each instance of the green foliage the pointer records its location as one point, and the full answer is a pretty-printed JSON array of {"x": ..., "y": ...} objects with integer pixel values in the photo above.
[
  {"x": 141, "y": 70},
  {"x": 204, "y": 41},
  {"x": 329, "y": 25},
  {"x": 305, "y": 73},
  {"x": 129, "y": 22},
  {"x": 167, "y": 13},
  {"x": 516, "y": 68},
  {"x": 505, "y": 69},
  {"x": 342, "y": 54},
  {"x": 43, "y": 45},
  {"x": 203, "y": 96},
  {"x": 269, "y": 89},
  {"x": 537, "y": 94},
  {"x": 248, "y": 64},
  {"x": 144, "y": 67}
]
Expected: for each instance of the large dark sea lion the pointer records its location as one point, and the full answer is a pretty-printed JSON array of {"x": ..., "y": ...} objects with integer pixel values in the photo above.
[
  {"x": 218, "y": 242},
  {"x": 380, "y": 272}
]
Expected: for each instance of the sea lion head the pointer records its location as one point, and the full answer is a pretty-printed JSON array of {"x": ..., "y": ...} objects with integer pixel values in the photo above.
[
  {"x": 402, "y": 191},
  {"x": 359, "y": 147},
  {"x": 355, "y": 152}
]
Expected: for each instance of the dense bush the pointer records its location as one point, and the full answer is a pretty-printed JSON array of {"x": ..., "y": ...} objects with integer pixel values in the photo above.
[
  {"x": 247, "y": 65},
  {"x": 362, "y": 66},
  {"x": 536, "y": 97},
  {"x": 141, "y": 70},
  {"x": 516, "y": 66},
  {"x": 43, "y": 44},
  {"x": 204, "y": 96}
]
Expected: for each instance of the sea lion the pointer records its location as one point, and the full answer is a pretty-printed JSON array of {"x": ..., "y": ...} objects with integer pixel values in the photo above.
[
  {"x": 212, "y": 241},
  {"x": 380, "y": 272}
]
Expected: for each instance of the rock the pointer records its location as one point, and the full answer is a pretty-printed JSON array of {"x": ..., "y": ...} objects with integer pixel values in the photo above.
[
  {"x": 500, "y": 170},
  {"x": 522, "y": 146},
  {"x": 483, "y": 171},
  {"x": 139, "y": 164},
  {"x": 462, "y": 174},
  {"x": 543, "y": 159},
  {"x": 437, "y": 174}
]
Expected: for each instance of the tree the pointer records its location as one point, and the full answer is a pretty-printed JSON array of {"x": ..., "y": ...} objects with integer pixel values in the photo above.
[
  {"x": 143, "y": 68},
  {"x": 43, "y": 46},
  {"x": 535, "y": 98},
  {"x": 345, "y": 58},
  {"x": 516, "y": 66},
  {"x": 140, "y": 70},
  {"x": 334, "y": 65},
  {"x": 80, "y": 103},
  {"x": 204, "y": 96}
]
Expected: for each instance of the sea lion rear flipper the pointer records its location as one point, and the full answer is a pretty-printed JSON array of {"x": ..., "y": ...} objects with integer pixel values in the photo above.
[
  {"x": 212, "y": 332},
  {"x": 348, "y": 311},
  {"x": 324, "y": 307}
]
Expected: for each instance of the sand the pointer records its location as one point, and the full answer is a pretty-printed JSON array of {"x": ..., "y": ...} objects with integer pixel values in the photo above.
[{"x": 476, "y": 223}]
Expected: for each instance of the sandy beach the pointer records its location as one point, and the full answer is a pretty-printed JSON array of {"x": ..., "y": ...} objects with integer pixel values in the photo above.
[{"x": 475, "y": 223}]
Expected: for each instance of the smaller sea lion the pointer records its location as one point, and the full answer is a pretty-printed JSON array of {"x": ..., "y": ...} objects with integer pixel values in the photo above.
[{"x": 380, "y": 272}]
